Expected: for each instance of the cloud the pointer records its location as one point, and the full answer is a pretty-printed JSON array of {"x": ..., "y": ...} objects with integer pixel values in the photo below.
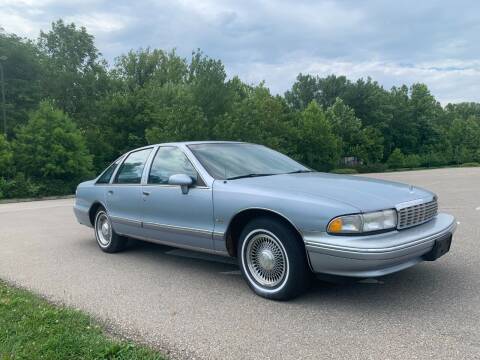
[
  {"x": 448, "y": 80},
  {"x": 434, "y": 42},
  {"x": 100, "y": 23}
]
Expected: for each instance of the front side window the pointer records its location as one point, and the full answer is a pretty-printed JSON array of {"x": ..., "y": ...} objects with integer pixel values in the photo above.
[
  {"x": 236, "y": 160},
  {"x": 169, "y": 161},
  {"x": 107, "y": 174},
  {"x": 131, "y": 170}
]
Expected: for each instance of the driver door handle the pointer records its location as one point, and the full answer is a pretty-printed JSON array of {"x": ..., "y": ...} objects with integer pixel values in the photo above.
[{"x": 146, "y": 193}]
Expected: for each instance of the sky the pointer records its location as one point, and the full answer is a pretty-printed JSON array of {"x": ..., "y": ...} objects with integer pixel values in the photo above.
[{"x": 393, "y": 42}]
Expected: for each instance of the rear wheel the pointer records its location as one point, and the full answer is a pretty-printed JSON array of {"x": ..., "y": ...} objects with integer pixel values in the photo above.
[
  {"x": 272, "y": 260},
  {"x": 107, "y": 239}
]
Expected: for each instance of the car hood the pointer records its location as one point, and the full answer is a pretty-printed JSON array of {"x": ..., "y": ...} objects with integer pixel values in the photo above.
[{"x": 365, "y": 194}]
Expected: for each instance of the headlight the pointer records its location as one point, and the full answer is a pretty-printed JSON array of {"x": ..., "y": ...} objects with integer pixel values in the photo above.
[{"x": 363, "y": 223}]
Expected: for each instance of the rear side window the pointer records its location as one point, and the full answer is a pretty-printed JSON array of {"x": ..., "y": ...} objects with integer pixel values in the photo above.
[
  {"x": 107, "y": 174},
  {"x": 131, "y": 170},
  {"x": 169, "y": 161}
]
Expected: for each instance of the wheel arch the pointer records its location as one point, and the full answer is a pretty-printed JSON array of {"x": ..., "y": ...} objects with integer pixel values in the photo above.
[
  {"x": 241, "y": 218},
  {"x": 93, "y": 210}
]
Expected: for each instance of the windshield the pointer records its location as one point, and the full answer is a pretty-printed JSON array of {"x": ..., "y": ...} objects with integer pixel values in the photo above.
[{"x": 237, "y": 160}]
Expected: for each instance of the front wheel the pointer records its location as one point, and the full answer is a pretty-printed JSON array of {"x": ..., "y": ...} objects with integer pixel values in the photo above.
[
  {"x": 272, "y": 260},
  {"x": 107, "y": 239}
]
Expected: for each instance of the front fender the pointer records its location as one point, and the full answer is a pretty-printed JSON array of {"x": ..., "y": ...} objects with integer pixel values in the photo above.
[{"x": 305, "y": 213}]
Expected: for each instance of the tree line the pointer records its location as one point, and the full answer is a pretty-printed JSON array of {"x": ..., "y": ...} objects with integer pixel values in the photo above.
[{"x": 69, "y": 114}]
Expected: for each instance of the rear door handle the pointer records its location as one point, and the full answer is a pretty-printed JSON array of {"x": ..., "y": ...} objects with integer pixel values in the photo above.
[{"x": 110, "y": 192}]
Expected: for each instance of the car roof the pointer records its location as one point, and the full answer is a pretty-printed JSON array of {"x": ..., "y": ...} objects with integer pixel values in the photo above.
[
  {"x": 188, "y": 143},
  {"x": 201, "y": 142}
]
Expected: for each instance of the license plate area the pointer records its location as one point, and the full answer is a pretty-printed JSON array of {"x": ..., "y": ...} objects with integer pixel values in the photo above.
[{"x": 440, "y": 248}]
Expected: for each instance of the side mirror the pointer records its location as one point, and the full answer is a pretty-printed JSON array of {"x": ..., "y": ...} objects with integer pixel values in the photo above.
[{"x": 183, "y": 180}]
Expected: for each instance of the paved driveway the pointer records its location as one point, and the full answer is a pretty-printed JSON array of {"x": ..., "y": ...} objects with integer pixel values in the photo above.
[{"x": 197, "y": 306}]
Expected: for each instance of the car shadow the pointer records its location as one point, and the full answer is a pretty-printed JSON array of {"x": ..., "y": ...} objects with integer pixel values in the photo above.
[
  {"x": 196, "y": 260},
  {"x": 425, "y": 286},
  {"x": 420, "y": 286}
]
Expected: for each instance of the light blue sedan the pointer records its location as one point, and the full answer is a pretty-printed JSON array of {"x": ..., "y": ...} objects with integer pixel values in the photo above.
[{"x": 281, "y": 220}]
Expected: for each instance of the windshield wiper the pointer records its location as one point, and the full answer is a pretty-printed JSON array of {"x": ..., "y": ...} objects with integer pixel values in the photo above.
[
  {"x": 257, "y": 175},
  {"x": 248, "y": 176},
  {"x": 299, "y": 171}
]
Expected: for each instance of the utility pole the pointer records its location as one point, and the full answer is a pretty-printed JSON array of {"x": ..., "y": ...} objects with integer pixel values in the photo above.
[{"x": 3, "y": 58}]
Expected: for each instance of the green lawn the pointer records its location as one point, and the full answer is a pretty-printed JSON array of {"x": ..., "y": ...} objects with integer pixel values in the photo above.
[{"x": 32, "y": 328}]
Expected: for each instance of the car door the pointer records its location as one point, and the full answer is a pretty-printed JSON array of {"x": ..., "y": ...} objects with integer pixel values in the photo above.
[
  {"x": 170, "y": 216},
  {"x": 124, "y": 194}
]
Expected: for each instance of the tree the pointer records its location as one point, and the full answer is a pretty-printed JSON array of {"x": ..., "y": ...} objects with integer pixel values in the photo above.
[
  {"x": 158, "y": 97},
  {"x": 464, "y": 138},
  {"x": 22, "y": 72},
  {"x": 347, "y": 127},
  {"x": 463, "y": 110},
  {"x": 121, "y": 121},
  {"x": 210, "y": 90},
  {"x": 6, "y": 157},
  {"x": 51, "y": 151},
  {"x": 177, "y": 117},
  {"x": 303, "y": 92},
  {"x": 402, "y": 133},
  {"x": 371, "y": 150},
  {"x": 317, "y": 145},
  {"x": 259, "y": 118},
  {"x": 137, "y": 68},
  {"x": 207, "y": 78},
  {"x": 74, "y": 75},
  {"x": 370, "y": 102},
  {"x": 324, "y": 91},
  {"x": 426, "y": 112},
  {"x": 330, "y": 88}
]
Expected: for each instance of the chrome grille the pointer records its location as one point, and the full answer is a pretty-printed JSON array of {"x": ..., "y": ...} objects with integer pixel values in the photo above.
[{"x": 417, "y": 214}]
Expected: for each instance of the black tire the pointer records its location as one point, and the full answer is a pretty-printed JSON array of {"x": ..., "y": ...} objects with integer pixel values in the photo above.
[
  {"x": 112, "y": 242},
  {"x": 254, "y": 249}
]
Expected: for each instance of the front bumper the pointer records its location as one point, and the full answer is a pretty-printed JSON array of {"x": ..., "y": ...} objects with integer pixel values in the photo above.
[{"x": 375, "y": 255}]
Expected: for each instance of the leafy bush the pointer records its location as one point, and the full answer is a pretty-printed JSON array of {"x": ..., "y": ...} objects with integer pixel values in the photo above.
[
  {"x": 470, "y": 164},
  {"x": 396, "y": 159},
  {"x": 371, "y": 168},
  {"x": 51, "y": 152},
  {"x": 412, "y": 161},
  {"x": 433, "y": 159},
  {"x": 18, "y": 187},
  {"x": 344, "y": 171}
]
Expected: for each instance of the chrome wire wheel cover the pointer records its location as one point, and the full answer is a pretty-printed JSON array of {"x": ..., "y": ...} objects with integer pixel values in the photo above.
[
  {"x": 103, "y": 229},
  {"x": 266, "y": 260}
]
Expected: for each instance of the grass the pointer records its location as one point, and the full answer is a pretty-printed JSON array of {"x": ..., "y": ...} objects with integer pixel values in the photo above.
[{"x": 32, "y": 328}]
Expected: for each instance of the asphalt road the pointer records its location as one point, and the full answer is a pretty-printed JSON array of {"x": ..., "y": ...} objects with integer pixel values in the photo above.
[{"x": 196, "y": 306}]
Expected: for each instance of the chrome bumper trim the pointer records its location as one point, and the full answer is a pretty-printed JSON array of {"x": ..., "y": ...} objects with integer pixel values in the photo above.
[
  {"x": 177, "y": 229},
  {"x": 320, "y": 246},
  {"x": 125, "y": 221},
  {"x": 375, "y": 255}
]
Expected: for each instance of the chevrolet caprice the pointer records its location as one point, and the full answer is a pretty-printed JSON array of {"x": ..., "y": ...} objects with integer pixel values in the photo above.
[{"x": 280, "y": 219}]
